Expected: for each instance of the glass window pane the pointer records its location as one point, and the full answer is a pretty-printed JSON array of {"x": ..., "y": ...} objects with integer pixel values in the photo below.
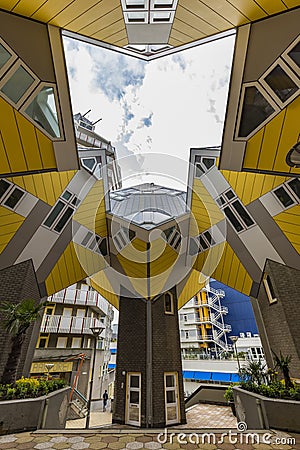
[
  {"x": 4, "y": 185},
  {"x": 17, "y": 84},
  {"x": 103, "y": 247},
  {"x": 170, "y": 380},
  {"x": 14, "y": 198},
  {"x": 230, "y": 195},
  {"x": 67, "y": 195},
  {"x": 284, "y": 197},
  {"x": 89, "y": 163},
  {"x": 134, "y": 381},
  {"x": 4, "y": 56},
  {"x": 54, "y": 213},
  {"x": 295, "y": 186},
  {"x": 171, "y": 398},
  {"x": 64, "y": 219},
  {"x": 294, "y": 54},
  {"x": 86, "y": 239},
  {"x": 208, "y": 162},
  {"x": 256, "y": 109},
  {"x": 43, "y": 111},
  {"x": 242, "y": 213},
  {"x": 209, "y": 238},
  {"x": 203, "y": 243},
  {"x": 232, "y": 219},
  {"x": 281, "y": 83},
  {"x": 220, "y": 201},
  {"x": 134, "y": 397}
]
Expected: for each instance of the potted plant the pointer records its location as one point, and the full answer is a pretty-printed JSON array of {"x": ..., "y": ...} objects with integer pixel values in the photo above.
[
  {"x": 264, "y": 401},
  {"x": 228, "y": 395}
]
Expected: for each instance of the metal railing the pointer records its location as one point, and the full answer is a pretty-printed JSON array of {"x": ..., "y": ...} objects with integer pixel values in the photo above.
[
  {"x": 65, "y": 324},
  {"x": 80, "y": 297}
]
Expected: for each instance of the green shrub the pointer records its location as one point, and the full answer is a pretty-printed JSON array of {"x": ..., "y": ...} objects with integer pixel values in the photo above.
[{"x": 30, "y": 388}]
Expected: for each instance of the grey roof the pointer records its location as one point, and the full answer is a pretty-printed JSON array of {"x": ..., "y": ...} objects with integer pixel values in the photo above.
[{"x": 148, "y": 205}]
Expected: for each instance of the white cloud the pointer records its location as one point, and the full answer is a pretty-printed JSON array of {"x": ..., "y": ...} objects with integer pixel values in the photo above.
[{"x": 166, "y": 106}]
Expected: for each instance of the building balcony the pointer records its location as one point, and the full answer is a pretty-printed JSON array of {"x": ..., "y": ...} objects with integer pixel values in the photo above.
[
  {"x": 81, "y": 298},
  {"x": 71, "y": 325}
]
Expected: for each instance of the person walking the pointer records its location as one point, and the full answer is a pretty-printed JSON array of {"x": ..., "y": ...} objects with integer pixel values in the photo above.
[{"x": 105, "y": 399}]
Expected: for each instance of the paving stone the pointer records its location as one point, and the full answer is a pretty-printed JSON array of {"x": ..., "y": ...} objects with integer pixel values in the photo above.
[
  {"x": 7, "y": 438},
  {"x": 98, "y": 445},
  {"x": 26, "y": 446},
  {"x": 152, "y": 445},
  {"x": 134, "y": 445},
  {"x": 126, "y": 439},
  {"x": 42, "y": 438},
  {"x": 208, "y": 446},
  {"x": 59, "y": 439},
  {"x": 43, "y": 445},
  {"x": 8, "y": 445},
  {"x": 80, "y": 445},
  {"x": 171, "y": 446},
  {"x": 61, "y": 445},
  {"x": 109, "y": 439},
  {"x": 76, "y": 439},
  {"x": 116, "y": 445},
  {"x": 24, "y": 439}
]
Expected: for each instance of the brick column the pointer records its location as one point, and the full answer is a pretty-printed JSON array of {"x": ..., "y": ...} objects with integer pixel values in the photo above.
[{"x": 141, "y": 337}]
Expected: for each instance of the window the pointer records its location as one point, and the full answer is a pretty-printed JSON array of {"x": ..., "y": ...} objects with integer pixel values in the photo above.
[
  {"x": 256, "y": 109},
  {"x": 294, "y": 184},
  {"x": 86, "y": 238},
  {"x": 76, "y": 342},
  {"x": 42, "y": 340},
  {"x": 44, "y": 112},
  {"x": 281, "y": 83},
  {"x": 203, "y": 164},
  {"x": 229, "y": 195},
  {"x": 62, "y": 211},
  {"x": 17, "y": 83},
  {"x": 7, "y": 57},
  {"x": 208, "y": 162},
  {"x": 169, "y": 303},
  {"x": 269, "y": 289},
  {"x": 4, "y": 186},
  {"x": 242, "y": 213},
  {"x": 4, "y": 56},
  {"x": 283, "y": 197},
  {"x": 294, "y": 54},
  {"x": 232, "y": 219},
  {"x": 203, "y": 243},
  {"x": 14, "y": 198},
  {"x": 209, "y": 238},
  {"x": 61, "y": 342}
]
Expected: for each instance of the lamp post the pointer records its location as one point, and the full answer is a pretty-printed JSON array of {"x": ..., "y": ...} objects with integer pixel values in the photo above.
[
  {"x": 233, "y": 340},
  {"x": 96, "y": 333}
]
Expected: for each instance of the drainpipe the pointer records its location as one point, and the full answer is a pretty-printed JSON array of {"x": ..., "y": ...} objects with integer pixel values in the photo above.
[{"x": 149, "y": 355}]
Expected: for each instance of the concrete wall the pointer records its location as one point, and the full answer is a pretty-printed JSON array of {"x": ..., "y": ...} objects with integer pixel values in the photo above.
[{"x": 47, "y": 412}]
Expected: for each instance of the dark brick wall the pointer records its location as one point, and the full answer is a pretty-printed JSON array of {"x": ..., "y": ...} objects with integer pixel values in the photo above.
[
  {"x": 282, "y": 318},
  {"x": 132, "y": 356},
  {"x": 17, "y": 283}
]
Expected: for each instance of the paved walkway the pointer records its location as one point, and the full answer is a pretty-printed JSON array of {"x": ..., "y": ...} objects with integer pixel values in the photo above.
[
  {"x": 197, "y": 434},
  {"x": 198, "y": 416}
]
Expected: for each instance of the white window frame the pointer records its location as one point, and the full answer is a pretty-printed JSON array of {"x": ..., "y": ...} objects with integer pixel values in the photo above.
[
  {"x": 28, "y": 92},
  {"x": 30, "y": 99},
  {"x": 11, "y": 60},
  {"x": 268, "y": 290},
  {"x": 290, "y": 74},
  {"x": 172, "y": 312},
  {"x": 290, "y": 194},
  {"x": 68, "y": 204},
  {"x": 172, "y": 388},
  {"x": 288, "y": 59},
  {"x": 8, "y": 194},
  {"x": 234, "y": 212},
  {"x": 269, "y": 99},
  {"x": 62, "y": 339}
]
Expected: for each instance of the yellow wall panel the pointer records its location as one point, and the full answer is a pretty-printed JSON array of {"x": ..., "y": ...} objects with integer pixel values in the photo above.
[
  {"x": 289, "y": 223},
  {"x": 272, "y": 6},
  {"x": 46, "y": 150},
  {"x": 228, "y": 11},
  {"x": 11, "y": 138},
  {"x": 50, "y": 9},
  {"x": 100, "y": 282},
  {"x": 91, "y": 211},
  {"x": 29, "y": 142},
  {"x": 204, "y": 209},
  {"x": 253, "y": 148},
  {"x": 26, "y": 8},
  {"x": 272, "y": 133},
  {"x": 10, "y": 222},
  {"x": 194, "y": 284},
  {"x": 249, "y": 8},
  {"x": 71, "y": 12},
  {"x": 4, "y": 163}
]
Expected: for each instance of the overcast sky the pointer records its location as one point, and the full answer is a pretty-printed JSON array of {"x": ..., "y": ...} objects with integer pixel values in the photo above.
[{"x": 153, "y": 112}]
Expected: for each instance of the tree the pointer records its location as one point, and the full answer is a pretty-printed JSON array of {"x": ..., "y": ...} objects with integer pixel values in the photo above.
[
  {"x": 17, "y": 318},
  {"x": 283, "y": 363}
]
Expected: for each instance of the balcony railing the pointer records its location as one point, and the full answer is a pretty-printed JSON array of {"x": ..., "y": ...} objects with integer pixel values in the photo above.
[
  {"x": 79, "y": 297},
  {"x": 74, "y": 325}
]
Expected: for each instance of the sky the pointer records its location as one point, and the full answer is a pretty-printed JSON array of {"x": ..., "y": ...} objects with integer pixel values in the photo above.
[{"x": 153, "y": 112}]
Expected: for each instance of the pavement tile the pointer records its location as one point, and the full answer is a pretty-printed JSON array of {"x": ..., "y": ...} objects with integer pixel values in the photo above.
[
  {"x": 59, "y": 439},
  {"x": 76, "y": 439},
  {"x": 41, "y": 438},
  {"x": 134, "y": 445},
  {"x": 24, "y": 439},
  {"x": 98, "y": 445},
  {"x": 8, "y": 445},
  {"x": 26, "y": 446},
  {"x": 61, "y": 445},
  {"x": 7, "y": 438},
  {"x": 109, "y": 439},
  {"x": 171, "y": 446},
  {"x": 126, "y": 439},
  {"x": 44, "y": 445},
  {"x": 93, "y": 439},
  {"x": 144, "y": 439},
  {"x": 206, "y": 446},
  {"x": 152, "y": 445},
  {"x": 80, "y": 445},
  {"x": 116, "y": 445}
]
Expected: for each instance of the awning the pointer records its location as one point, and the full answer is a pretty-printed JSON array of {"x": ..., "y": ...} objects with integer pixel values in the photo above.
[
  {"x": 211, "y": 376},
  {"x": 111, "y": 366}
]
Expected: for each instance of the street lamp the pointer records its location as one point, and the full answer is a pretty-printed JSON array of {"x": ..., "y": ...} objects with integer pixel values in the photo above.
[
  {"x": 48, "y": 366},
  {"x": 96, "y": 333},
  {"x": 233, "y": 340}
]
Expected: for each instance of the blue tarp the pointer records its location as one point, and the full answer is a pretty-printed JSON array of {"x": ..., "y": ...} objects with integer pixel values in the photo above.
[
  {"x": 113, "y": 351},
  {"x": 111, "y": 366},
  {"x": 235, "y": 378},
  {"x": 219, "y": 376},
  {"x": 204, "y": 376},
  {"x": 210, "y": 376}
]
